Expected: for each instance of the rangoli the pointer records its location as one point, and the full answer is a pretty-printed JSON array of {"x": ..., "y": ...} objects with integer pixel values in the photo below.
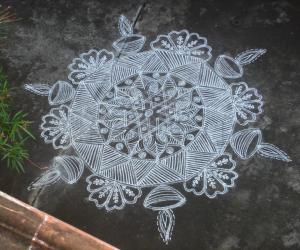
[{"x": 149, "y": 119}]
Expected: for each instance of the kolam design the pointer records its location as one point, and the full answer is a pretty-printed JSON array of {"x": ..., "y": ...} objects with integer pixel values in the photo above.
[{"x": 148, "y": 119}]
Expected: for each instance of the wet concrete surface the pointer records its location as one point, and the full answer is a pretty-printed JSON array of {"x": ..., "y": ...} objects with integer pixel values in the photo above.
[{"x": 262, "y": 211}]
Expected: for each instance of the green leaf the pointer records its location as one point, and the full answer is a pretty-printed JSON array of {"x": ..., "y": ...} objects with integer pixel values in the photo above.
[{"x": 14, "y": 131}]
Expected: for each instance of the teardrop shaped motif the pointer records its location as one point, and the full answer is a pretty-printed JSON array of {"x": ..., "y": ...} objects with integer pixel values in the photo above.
[
  {"x": 270, "y": 151},
  {"x": 38, "y": 88},
  {"x": 165, "y": 223},
  {"x": 125, "y": 27},
  {"x": 249, "y": 56}
]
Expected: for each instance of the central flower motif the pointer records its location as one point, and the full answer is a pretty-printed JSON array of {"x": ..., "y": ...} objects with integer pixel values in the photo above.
[{"x": 154, "y": 120}]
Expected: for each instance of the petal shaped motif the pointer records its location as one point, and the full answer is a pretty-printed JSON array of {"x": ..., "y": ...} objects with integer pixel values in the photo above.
[
  {"x": 95, "y": 183},
  {"x": 101, "y": 197},
  {"x": 130, "y": 194}
]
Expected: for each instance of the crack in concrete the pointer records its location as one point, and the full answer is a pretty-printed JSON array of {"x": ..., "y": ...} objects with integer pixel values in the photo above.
[{"x": 139, "y": 12}]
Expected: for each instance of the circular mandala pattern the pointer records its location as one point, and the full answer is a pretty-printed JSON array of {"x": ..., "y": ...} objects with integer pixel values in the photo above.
[{"x": 152, "y": 118}]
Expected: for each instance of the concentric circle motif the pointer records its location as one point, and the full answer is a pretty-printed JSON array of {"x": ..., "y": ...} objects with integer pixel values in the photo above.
[{"x": 151, "y": 119}]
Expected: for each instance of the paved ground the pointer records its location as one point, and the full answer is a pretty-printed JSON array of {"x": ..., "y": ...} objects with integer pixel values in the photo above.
[{"x": 262, "y": 211}]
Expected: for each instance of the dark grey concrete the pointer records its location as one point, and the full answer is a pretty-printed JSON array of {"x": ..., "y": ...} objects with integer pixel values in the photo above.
[{"x": 262, "y": 211}]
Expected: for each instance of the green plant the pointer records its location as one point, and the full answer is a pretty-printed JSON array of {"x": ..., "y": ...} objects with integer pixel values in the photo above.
[{"x": 14, "y": 130}]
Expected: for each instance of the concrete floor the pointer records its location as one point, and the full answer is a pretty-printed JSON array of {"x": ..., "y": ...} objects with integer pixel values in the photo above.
[{"x": 262, "y": 211}]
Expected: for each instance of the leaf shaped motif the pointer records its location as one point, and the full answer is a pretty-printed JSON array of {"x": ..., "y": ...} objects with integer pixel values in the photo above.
[
  {"x": 125, "y": 27},
  {"x": 38, "y": 88},
  {"x": 165, "y": 223},
  {"x": 47, "y": 178},
  {"x": 249, "y": 56},
  {"x": 271, "y": 151},
  {"x": 67, "y": 168}
]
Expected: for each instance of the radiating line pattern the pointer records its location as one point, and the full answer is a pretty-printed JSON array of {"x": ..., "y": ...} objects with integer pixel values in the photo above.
[{"x": 157, "y": 126}]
